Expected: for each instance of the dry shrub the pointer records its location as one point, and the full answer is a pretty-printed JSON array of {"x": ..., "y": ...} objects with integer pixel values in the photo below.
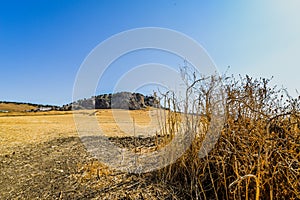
[
  {"x": 94, "y": 169},
  {"x": 257, "y": 154}
]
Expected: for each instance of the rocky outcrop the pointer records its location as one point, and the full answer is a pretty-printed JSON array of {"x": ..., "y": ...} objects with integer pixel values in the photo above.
[{"x": 121, "y": 100}]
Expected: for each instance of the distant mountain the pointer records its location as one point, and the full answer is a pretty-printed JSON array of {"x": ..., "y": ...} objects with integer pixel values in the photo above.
[{"x": 121, "y": 100}]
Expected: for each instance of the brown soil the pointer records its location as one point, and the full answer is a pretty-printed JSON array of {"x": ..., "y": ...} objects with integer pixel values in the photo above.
[
  {"x": 62, "y": 169},
  {"x": 41, "y": 157}
]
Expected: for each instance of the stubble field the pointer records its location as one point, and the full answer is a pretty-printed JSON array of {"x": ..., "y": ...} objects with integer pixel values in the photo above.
[{"x": 42, "y": 156}]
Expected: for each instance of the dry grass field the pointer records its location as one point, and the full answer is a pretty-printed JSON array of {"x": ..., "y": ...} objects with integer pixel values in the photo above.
[
  {"x": 15, "y": 107},
  {"x": 24, "y": 129},
  {"x": 41, "y": 156},
  {"x": 256, "y": 156},
  {"x": 21, "y": 128}
]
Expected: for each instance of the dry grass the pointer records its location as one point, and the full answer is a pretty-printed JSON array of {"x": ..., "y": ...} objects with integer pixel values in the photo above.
[
  {"x": 256, "y": 157},
  {"x": 19, "y": 128},
  {"x": 33, "y": 128},
  {"x": 42, "y": 157},
  {"x": 12, "y": 107}
]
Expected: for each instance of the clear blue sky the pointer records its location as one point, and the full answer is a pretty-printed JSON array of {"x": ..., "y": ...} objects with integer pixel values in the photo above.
[{"x": 44, "y": 42}]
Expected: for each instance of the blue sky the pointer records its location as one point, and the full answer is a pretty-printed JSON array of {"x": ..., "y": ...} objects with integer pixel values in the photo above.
[{"x": 43, "y": 43}]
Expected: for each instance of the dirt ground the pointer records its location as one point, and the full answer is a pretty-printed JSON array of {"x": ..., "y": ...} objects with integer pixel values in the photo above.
[{"x": 42, "y": 157}]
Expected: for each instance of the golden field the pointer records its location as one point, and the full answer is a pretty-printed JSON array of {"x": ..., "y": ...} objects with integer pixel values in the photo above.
[
  {"x": 255, "y": 156},
  {"x": 21, "y": 128},
  {"x": 12, "y": 107},
  {"x": 41, "y": 155}
]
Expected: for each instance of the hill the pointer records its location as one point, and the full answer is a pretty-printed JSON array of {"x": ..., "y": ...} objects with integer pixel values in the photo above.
[
  {"x": 6, "y": 106},
  {"x": 120, "y": 100}
]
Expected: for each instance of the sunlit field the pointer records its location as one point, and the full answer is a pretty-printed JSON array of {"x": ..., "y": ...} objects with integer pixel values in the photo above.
[
  {"x": 41, "y": 154},
  {"x": 22, "y": 128},
  {"x": 255, "y": 156}
]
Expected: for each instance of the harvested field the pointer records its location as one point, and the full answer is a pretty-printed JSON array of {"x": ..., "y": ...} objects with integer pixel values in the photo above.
[
  {"x": 41, "y": 156},
  {"x": 256, "y": 156}
]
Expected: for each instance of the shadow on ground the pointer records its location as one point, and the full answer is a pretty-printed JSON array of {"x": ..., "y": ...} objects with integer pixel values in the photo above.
[{"x": 62, "y": 169}]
